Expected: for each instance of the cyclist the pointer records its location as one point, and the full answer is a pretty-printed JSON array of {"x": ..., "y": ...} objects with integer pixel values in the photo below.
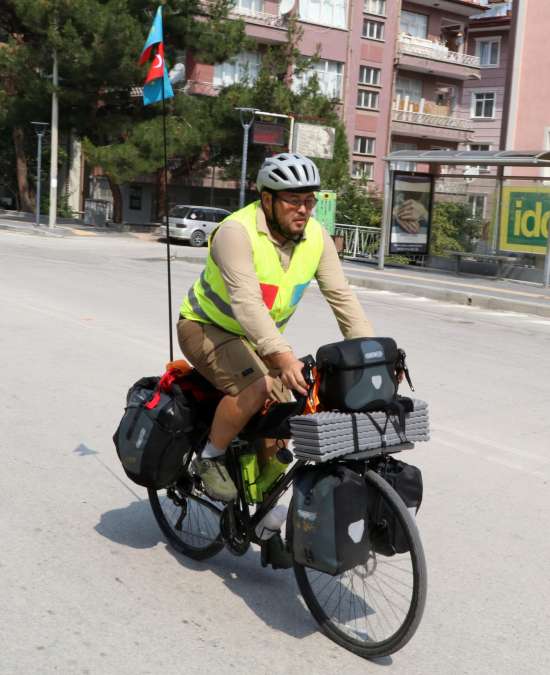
[{"x": 260, "y": 261}]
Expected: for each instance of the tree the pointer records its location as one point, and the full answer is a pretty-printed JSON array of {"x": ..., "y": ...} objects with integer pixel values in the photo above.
[
  {"x": 453, "y": 228},
  {"x": 98, "y": 43}
]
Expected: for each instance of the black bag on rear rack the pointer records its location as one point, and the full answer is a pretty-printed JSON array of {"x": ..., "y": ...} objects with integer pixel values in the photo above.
[
  {"x": 153, "y": 437},
  {"x": 386, "y": 533},
  {"x": 358, "y": 375},
  {"x": 329, "y": 519}
]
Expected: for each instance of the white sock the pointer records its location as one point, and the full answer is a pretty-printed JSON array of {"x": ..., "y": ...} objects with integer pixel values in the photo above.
[{"x": 210, "y": 450}]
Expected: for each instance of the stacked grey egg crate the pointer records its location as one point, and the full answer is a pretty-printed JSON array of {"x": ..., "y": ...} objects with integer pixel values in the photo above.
[{"x": 323, "y": 436}]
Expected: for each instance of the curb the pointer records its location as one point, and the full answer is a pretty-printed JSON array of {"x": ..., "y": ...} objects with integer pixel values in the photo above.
[{"x": 467, "y": 298}]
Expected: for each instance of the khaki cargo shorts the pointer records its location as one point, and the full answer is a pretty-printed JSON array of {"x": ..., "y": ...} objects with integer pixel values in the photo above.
[{"x": 226, "y": 360}]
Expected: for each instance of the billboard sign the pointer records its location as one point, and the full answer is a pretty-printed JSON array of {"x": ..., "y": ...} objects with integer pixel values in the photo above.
[
  {"x": 264, "y": 133},
  {"x": 411, "y": 212},
  {"x": 525, "y": 214},
  {"x": 325, "y": 211},
  {"x": 313, "y": 140}
]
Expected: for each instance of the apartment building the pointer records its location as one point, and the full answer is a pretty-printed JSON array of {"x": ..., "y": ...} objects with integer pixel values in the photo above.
[{"x": 398, "y": 68}]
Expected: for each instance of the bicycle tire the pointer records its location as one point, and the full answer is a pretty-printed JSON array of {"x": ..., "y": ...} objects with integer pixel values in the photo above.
[
  {"x": 197, "y": 535},
  {"x": 369, "y": 646}
]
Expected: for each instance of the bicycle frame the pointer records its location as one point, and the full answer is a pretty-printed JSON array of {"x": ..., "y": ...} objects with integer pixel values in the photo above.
[{"x": 282, "y": 485}]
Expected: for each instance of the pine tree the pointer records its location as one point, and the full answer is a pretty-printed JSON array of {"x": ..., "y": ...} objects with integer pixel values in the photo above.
[{"x": 98, "y": 43}]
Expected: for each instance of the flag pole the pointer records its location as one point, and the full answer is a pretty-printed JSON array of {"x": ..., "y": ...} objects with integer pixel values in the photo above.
[{"x": 167, "y": 220}]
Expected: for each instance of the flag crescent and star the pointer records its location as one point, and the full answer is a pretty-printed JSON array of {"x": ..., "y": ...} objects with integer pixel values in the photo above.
[{"x": 157, "y": 84}]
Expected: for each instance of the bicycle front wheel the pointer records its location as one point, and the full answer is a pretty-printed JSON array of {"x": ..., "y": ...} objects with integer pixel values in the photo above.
[
  {"x": 189, "y": 520},
  {"x": 373, "y": 609}
]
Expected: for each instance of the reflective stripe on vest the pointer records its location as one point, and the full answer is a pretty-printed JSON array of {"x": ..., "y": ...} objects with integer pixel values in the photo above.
[{"x": 208, "y": 300}]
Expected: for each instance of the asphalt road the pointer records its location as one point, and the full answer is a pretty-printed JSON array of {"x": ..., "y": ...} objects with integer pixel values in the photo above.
[{"x": 87, "y": 582}]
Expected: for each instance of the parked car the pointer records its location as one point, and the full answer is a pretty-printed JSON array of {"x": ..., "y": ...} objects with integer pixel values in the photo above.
[{"x": 192, "y": 223}]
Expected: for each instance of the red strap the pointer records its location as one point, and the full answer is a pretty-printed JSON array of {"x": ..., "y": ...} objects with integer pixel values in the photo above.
[{"x": 165, "y": 384}]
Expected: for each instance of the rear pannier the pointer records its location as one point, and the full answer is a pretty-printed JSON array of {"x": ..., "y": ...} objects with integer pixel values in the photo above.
[
  {"x": 153, "y": 437},
  {"x": 329, "y": 519}
]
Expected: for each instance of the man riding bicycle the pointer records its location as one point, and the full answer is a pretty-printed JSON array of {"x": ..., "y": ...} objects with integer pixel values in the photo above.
[{"x": 260, "y": 261}]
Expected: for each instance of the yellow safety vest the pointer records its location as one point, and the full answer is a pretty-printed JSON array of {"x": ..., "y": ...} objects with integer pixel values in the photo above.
[{"x": 208, "y": 300}]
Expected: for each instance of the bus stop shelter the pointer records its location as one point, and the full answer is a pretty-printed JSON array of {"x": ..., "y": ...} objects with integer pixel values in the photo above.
[{"x": 453, "y": 158}]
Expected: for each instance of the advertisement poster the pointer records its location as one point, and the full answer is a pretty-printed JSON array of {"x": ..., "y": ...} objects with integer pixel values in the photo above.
[
  {"x": 411, "y": 213},
  {"x": 524, "y": 220},
  {"x": 325, "y": 211}
]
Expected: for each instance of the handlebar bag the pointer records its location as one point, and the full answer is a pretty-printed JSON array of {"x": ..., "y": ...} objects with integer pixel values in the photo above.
[
  {"x": 386, "y": 533},
  {"x": 153, "y": 437},
  {"x": 357, "y": 375},
  {"x": 329, "y": 519}
]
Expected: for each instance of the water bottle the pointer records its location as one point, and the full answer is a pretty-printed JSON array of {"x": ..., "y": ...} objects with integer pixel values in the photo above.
[
  {"x": 272, "y": 522},
  {"x": 273, "y": 469}
]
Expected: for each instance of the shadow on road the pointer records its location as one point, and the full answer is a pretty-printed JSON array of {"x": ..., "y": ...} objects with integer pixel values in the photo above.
[{"x": 271, "y": 595}]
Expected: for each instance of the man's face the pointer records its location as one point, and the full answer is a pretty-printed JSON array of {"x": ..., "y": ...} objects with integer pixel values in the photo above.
[{"x": 291, "y": 210}]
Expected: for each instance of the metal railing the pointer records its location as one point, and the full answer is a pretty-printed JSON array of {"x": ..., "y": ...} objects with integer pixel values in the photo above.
[
  {"x": 357, "y": 241},
  {"x": 431, "y": 120},
  {"x": 433, "y": 50}
]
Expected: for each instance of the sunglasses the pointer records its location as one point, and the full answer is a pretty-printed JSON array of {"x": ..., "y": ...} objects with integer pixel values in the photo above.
[{"x": 296, "y": 202}]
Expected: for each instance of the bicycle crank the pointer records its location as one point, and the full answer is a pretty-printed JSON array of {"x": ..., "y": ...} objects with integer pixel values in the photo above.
[{"x": 234, "y": 532}]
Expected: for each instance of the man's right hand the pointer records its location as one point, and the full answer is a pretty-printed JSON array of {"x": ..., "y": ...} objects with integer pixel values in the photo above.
[{"x": 291, "y": 370}]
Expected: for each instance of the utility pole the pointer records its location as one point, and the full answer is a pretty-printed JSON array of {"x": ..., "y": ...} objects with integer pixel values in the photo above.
[
  {"x": 54, "y": 144},
  {"x": 246, "y": 127},
  {"x": 40, "y": 128}
]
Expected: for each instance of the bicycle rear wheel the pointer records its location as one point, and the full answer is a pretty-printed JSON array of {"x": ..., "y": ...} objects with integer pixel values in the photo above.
[
  {"x": 188, "y": 518},
  {"x": 373, "y": 609}
]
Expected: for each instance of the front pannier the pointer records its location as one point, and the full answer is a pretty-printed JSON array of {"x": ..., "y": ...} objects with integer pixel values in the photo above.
[
  {"x": 386, "y": 533},
  {"x": 152, "y": 439},
  {"x": 329, "y": 519},
  {"x": 357, "y": 375}
]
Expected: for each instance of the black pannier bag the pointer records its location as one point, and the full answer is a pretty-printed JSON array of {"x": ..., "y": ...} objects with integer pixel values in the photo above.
[
  {"x": 329, "y": 519},
  {"x": 386, "y": 534},
  {"x": 152, "y": 439},
  {"x": 357, "y": 375}
]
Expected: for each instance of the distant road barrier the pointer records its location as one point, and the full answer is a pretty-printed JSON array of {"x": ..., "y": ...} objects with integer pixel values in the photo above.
[{"x": 355, "y": 241}]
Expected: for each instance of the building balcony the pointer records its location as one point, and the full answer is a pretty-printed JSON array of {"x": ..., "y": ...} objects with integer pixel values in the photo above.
[
  {"x": 428, "y": 120},
  {"x": 251, "y": 15},
  {"x": 425, "y": 56}
]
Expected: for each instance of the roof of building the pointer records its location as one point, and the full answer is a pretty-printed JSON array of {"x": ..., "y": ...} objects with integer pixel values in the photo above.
[{"x": 479, "y": 158}]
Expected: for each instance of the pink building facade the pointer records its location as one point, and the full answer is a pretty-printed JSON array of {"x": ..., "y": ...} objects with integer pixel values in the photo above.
[{"x": 397, "y": 68}]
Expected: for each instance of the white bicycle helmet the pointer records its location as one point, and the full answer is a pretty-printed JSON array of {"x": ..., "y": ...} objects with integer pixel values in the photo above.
[{"x": 288, "y": 171}]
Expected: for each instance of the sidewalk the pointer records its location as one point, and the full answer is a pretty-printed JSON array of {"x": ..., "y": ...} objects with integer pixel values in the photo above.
[{"x": 484, "y": 292}]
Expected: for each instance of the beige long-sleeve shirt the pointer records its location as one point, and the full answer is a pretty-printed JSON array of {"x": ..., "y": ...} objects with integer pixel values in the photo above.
[{"x": 231, "y": 250}]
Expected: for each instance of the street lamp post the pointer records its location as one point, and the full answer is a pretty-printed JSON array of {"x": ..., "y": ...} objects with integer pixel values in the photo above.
[
  {"x": 246, "y": 128},
  {"x": 40, "y": 128}
]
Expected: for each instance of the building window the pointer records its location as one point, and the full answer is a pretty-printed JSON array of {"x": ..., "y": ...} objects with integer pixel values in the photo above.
[
  {"x": 410, "y": 87},
  {"x": 375, "y": 7},
  {"x": 325, "y": 12},
  {"x": 404, "y": 166},
  {"x": 364, "y": 145},
  {"x": 251, "y": 7},
  {"x": 367, "y": 99},
  {"x": 363, "y": 170},
  {"x": 369, "y": 75},
  {"x": 477, "y": 205},
  {"x": 475, "y": 170},
  {"x": 244, "y": 67},
  {"x": 479, "y": 147},
  {"x": 483, "y": 105},
  {"x": 374, "y": 30},
  {"x": 414, "y": 24},
  {"x": 488, "y": 51},
  {"x": 329, "y": 76}
]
